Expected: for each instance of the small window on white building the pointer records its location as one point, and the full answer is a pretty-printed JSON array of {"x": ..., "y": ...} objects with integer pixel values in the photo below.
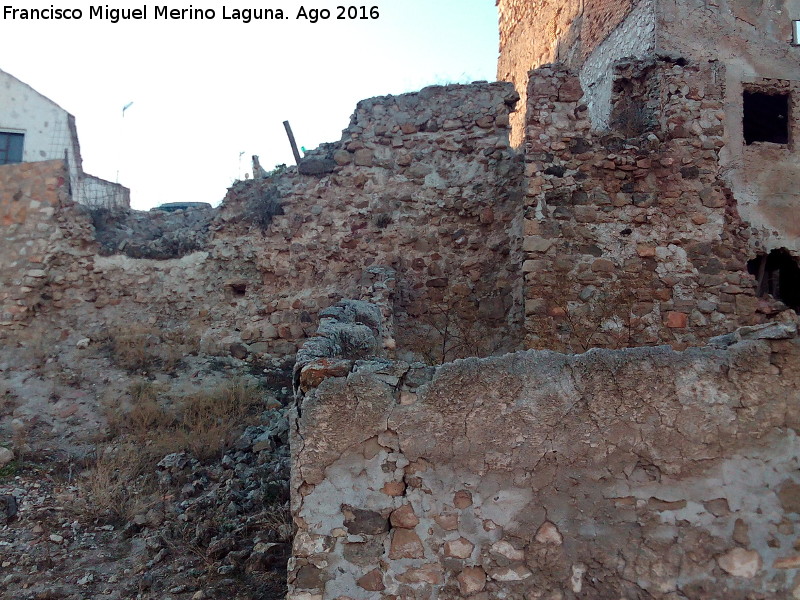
[{"x": 11, "y": 147}]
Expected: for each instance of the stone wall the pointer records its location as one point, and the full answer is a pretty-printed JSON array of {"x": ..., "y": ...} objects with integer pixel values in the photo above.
[
  {"x": 632, "y": 235},
  {"x": 613, "y": 474},
  {"x": 424, "y": 184},
  {"x": 752, "y": 40},
  {"x": 40, "y": 241}
]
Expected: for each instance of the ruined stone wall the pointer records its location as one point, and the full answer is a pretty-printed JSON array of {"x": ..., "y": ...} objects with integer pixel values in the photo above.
[
  {"x": 40, "y": 241},
  {"x": 533, "y": 34},
  {"x": 423, "y": 183},
  {"x": 632, "y": 236},
  {"x": 753, "y": 41},
  {"x": 613, "y": 474}
]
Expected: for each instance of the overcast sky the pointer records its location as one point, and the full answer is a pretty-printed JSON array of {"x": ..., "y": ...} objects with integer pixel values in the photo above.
[{"x": 205, "y": 91}]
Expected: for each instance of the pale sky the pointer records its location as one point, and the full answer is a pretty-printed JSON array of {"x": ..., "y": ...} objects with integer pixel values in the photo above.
[{"x": 205, "y": 91}]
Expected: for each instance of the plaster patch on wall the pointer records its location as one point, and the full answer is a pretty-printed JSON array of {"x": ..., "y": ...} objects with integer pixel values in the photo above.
[{"x": 633, "y": 38}]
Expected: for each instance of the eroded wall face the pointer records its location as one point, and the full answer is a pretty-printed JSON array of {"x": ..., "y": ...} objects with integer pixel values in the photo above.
[
  {"x": 533, "y": 34},
  {"x": 633, "y": 236},
  {"x": 613, "y": 474},
  {"x": 423, "y": 183},
  {"x": 762, "y": 174}
]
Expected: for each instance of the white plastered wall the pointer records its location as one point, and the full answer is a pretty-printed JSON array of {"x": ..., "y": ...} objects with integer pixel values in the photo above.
[{"x": 49, "y": 135}]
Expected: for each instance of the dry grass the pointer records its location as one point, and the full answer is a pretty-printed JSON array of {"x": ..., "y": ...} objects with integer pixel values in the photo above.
[
  {"x": 133, "y": 347},
  {"x": 140, "y": 415},
  {"x": 119, "y": 484},
  {"x": 278, "y": 518},
  {"x": 145, "y": 348},
  {"x": 208, "y": 423},
  {"x": 203, "y": 424},
  {"x": 36, "y": 346},
  {"x": 8, "y": 400}
]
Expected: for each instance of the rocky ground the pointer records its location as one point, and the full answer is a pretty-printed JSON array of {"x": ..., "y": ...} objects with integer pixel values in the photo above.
[{"x": 141, "y": 484}]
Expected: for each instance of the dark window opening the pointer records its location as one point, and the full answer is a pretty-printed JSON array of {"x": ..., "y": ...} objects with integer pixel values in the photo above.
[
  {"x": 778, "y": 275},
  {"x": 766, "y": 117},
  {"x": 11, "y": 147}
]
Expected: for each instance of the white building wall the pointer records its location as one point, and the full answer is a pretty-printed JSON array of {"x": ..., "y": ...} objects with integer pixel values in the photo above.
[
  {"x": 50, "y": 134},
  {"x": 634, "y": 37}
]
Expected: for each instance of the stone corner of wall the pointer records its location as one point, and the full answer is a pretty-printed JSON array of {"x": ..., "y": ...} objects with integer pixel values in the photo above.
[{"x": 349, "y": 331}]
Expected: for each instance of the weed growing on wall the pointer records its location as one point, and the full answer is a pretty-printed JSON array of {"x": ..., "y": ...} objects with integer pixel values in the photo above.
[
  {"x": 263, "y": 207},
  {"x": 592, "y": 318},
  {"x": 260, "y": 200}
]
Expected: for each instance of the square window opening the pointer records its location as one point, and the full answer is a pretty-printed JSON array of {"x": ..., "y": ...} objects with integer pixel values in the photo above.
[
  {"x": 766, "y": 117},
  {"x": 11, "y": 145}
]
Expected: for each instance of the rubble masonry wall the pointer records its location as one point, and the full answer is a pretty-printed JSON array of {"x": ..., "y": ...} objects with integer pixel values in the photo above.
[
  {"x": 632, "y": 235},
  {"x": 424, "y": 184},
  {"x": 40, "y": 241},
  {"x": 612, "y": 474}
]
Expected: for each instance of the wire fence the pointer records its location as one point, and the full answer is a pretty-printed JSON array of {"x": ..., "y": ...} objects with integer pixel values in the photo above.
[
  {"x": 86, "y": 189},
  {"x": 98, "y": 193}
]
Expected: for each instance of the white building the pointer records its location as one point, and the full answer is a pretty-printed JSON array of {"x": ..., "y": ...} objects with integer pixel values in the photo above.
[{"x": 34, "y": 128}]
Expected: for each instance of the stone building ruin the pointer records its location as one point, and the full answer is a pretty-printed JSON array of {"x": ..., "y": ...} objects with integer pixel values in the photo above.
[
  {"x": 677, "y": 110},
  {"x": 654, "y": 167},
  {"x": 543, "y": 331}
]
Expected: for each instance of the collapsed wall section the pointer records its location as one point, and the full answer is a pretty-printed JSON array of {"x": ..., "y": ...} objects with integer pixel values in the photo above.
[
  {"x": 631, "y": 473},
  {"x": 632, "y": 235}
]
